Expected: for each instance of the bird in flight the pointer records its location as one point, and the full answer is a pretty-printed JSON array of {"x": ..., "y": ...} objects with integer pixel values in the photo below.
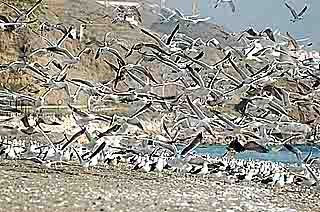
[
  {"x": 230, "y": 2},
  {"x": 296, "y": 17}
]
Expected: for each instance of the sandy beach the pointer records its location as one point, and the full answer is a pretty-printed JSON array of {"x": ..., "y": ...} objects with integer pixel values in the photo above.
[
  {"x": 135, "y": 84},
  {"x": 26, "y": 186}
]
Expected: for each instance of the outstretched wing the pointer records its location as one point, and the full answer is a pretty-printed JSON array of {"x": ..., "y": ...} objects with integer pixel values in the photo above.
[
  {"x": 217, "y": 3},
  {"x": 303, "y": 10},
  {"x": 178, "y": 12},
  {"x": 251, "y": 145},
  {"x": 270, "y": 35},
  {"x": 192, "y": 145},
  {"x": 235, "y": 145},
  {"x": 294, "y": 150},
  {"x": 170, "y": 38},
  {"x": 233, "y": 7},
  {"x": 293, "y": 12}
]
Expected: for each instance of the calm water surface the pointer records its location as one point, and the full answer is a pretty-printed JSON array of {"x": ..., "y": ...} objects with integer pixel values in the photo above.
[{"x": 280, "y": 156}]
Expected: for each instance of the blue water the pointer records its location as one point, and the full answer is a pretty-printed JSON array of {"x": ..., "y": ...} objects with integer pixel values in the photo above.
[{"x": 281, "y": 156}]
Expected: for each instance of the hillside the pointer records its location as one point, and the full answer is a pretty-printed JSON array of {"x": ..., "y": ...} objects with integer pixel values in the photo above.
[{"x": 67, "y": 12}]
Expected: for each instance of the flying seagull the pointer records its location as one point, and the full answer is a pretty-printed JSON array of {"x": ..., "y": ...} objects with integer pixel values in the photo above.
[
  {"x": 22, "y": 16},
  {"x": 269, "y": 33},
  {"x": 296, "y": 17},
  {"x": 230, "y": 2}
]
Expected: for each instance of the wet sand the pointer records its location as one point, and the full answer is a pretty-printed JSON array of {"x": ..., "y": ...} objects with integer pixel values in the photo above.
[{"x": 26, "y": 186}]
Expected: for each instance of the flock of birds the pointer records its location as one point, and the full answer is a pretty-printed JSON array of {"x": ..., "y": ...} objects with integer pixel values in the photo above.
[
  {"x": 252, "y": 79},
  {"x": 296, "y": 16}
]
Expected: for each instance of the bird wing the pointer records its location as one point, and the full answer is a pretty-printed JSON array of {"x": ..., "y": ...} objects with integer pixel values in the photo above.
[
  {"x": 195, "y": 109},
  {"x": 303, "y": 10},
  {"x": 270, "y": 34},
  {"x": 25, "y": 121},
  {"x": 225, "y": 120},
  {"x": 153, "y": 36},
  {"x": 145, "y": 72},
  {"x": 156, "y": 47},
  {"x": 79, "y": 19},
  {"x": 77, "y": 111},
  {"x": 79, "y": 157},
  {"x": 165, "y": 128},
  {"x": 196, "y": 76},
  {"x": 292, "y": 40},
  {"x": 136, "y": 10},
  {"x": 237, "y": 69},
  {"x": 294, "y": 150},
  {"x": 192, "y": 145},
  {"x": 236, "y": 145},
  {"x": 233, "y": 7},
  {"x": 141, "y": 110},
  {"x": 116, "y": 53},
  {"x": 217, "y": 3},
  {"x": 251, "y": 145},
  {"x": 178, "y": 12},
  {"x": 12, "y": 7},
  {"x": 61, "y": 51},
  {"x": 65, "y": 36},
  {"x": 83, "y": 82},
  {"x": 106, "y": 37},
  {"x": 33, "y": 8},
  {"x": 85, "y": 50},
  {"x": 172, "y": 34},
  {"x": 171, "y": 147},
  {"x": 293, "y": 12},
  {"x": 73, "y": 138},
  {"x": 4, "y": 19},
  {"x": 313, "y": 175},
  {"x": 98, "y": 150},
  {"x": 136, "y": 122},
  {"x": 203, "y": 19}
]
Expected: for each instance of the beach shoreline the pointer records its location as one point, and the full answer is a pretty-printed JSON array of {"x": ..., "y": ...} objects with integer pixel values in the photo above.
[{"x": 28, "y": 187}]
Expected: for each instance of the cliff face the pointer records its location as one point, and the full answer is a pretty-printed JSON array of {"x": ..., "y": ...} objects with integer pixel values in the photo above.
[
  {"x": 13, "y": 43},
  {"x": 67, "y": 12}
]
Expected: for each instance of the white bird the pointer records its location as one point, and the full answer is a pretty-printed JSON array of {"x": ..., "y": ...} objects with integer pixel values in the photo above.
[
  {"x": 195, "y": 21},
  {"x": 230, "y": 2},
  {"x": 296, "y": 17},
  {"x": 278, "y": 179},
  {"x": 160, "y": 163}
]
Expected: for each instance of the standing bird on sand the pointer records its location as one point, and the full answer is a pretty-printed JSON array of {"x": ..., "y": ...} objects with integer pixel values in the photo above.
[{"x": 296, "y": 17}]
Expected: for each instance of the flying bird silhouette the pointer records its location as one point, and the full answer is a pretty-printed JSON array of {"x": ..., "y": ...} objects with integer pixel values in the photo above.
[{"x": 296, "y": 17}]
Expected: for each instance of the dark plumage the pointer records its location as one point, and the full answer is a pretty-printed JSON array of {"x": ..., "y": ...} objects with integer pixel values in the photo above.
[
  {"x": 192, "y": 145},
  {"x": 296, "y": 16},
  {"x": 269, "y": 33},
  {"x": 250, "y": 146}
]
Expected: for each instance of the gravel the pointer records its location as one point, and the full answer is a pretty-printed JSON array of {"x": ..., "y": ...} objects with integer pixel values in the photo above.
[{"x": 25, "y": 186}]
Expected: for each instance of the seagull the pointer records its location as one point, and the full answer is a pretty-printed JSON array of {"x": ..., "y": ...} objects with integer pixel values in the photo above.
[
  {"x": 296, "y": 17},
  {"x": 196, "y": 20},
  {"x": 92, "y": 160},
  {"x": 167, "y": 45},
  {"x": 192, "y": 145},
  {"x": 8, "y": 25},
  {"x": 250, "y": 146},
  {"x": 269, "y": 33},
  {"x": 230, "y": 2},
  {"x": 22, "y": 16},
  {"x": 203, "y": 120},
  {"x": 106, "y": 49},
  {"x": 52, "y": 46},
  {"x": 294, "y": 150}
]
